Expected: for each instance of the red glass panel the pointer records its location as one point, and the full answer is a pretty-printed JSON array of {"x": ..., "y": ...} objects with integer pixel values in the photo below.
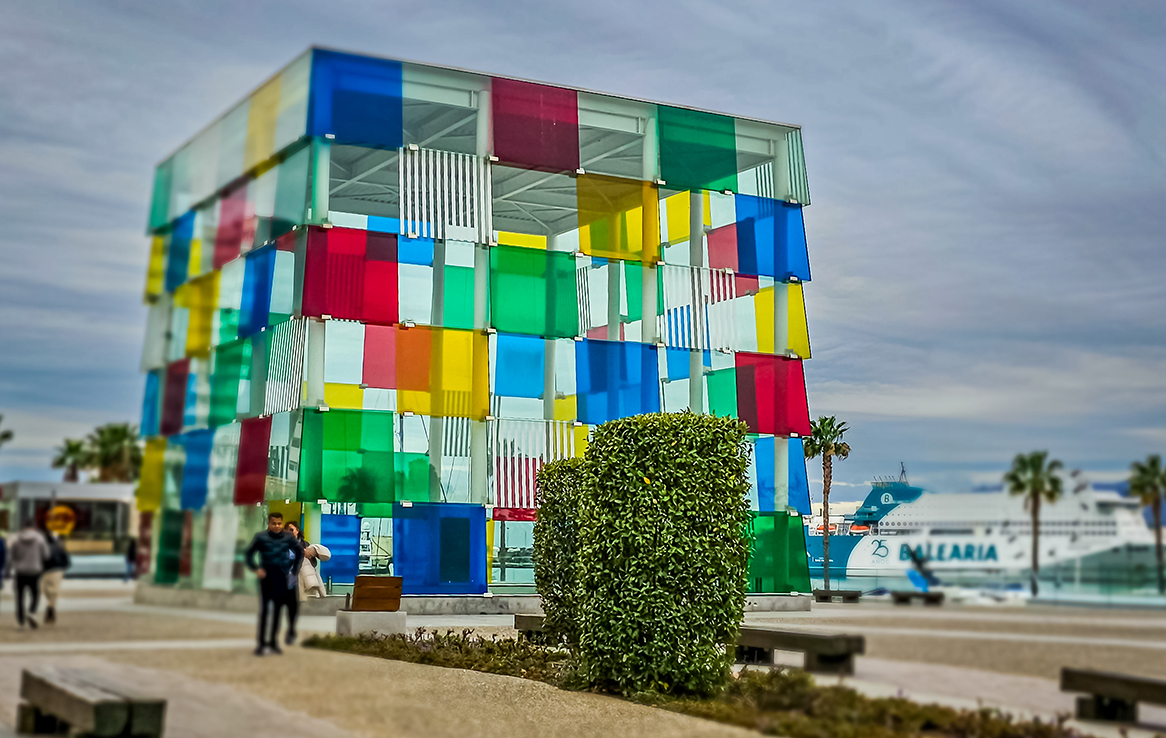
[
  {"x": 351, "y": 274},
  {"x": 747, "y": 285},
  {"x": 771, "y": 394},
  {"x": 229, "y": 236},
  {"x": 251, "y": 470},
  {"x": 380, "y": 356},
  {"x": 380, "y": 278},
  {"x": 535, "y": 126},
  {"x": 723, "y": 248},
  {"x": 515, "y": 514},
  {"x": 174, "y": 399}
]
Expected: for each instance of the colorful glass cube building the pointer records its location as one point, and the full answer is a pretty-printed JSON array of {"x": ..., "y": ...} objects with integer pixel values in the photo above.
[{"x": 382, "y": 294}]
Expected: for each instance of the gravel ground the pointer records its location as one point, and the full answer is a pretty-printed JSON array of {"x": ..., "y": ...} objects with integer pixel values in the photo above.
[
  {"x": 375, "y": 697},
  {"x": 111, "y": 625}
]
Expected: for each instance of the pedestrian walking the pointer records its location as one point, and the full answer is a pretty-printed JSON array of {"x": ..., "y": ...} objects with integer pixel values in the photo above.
[
  {"x": 55, "y": 565},
  {"x": 132, "y": 560},
  {"x": 27, "y": 553},
  {"x": 278, "y": 567},
  {"x": 309, "y": 578}
]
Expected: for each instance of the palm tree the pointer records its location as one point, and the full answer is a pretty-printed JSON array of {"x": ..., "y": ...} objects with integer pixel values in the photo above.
[
  {"x": 825, "y": 440},
  {"x": 115, "y": 452},
  {"x": 1148, "y": 481},
  {"x": 73, "y": 457},
  {"x": 1037, "y": 480}
]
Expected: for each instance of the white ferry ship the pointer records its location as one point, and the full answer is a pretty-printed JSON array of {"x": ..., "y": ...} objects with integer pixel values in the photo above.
[{"x": 1091, "y": 538}]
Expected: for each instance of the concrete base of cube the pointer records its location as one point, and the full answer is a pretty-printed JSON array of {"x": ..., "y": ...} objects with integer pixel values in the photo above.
[{"x": 352, "y": 623}]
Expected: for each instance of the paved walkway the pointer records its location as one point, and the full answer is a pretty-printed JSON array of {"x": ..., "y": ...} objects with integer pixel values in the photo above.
[{"x": 960, "y": 656}]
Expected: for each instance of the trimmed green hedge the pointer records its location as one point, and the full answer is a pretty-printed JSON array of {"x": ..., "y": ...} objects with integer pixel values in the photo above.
[
  {"x": 556, "y": 536},
  {"x": 663, "y": 553}
]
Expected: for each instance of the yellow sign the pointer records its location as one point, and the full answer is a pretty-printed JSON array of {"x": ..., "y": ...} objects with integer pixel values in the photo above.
[{"x": 61, "y": 520}]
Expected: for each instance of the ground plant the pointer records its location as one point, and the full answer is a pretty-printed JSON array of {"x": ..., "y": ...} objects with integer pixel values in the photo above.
[
  {"x": 663, "y": 553},
  {"x": 781, "y": 701},
  {"x": 556, "y": 542}
]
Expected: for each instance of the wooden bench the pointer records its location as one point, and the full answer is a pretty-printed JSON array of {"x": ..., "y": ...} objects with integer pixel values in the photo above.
[
  {"x": 824, "y": 654},
  {"x": 82, "y": 703},
  {"x": 828, "y": 595},
  {"x": 904, "y": 597},
  {"x": 1112, "y": 697},
  {"x": 376, "y": 594}
]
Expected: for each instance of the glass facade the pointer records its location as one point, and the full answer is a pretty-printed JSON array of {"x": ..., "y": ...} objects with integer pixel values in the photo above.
[{"x": 383, "y": 294}]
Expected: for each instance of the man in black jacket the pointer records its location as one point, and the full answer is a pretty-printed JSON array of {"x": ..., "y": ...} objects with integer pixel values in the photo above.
[{"x": 280, "y": 555}]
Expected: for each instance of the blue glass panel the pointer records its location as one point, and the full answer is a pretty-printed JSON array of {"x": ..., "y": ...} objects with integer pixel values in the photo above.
[
  {"x": 771, "y": 238},
  {"x": 615, "y": 380},
  {"x": 196, "y": 469},
  {"x": 677, "y": 359},
  {"x": 440, "y": 548},
  {"x": 258, "y": 276},
  {"x": 191, "y": 407},
  {"x": 341, "y": 534},
  {"x": 415, "y": 251},
  {"x": 799, "y": 486},
  {"x": 150, "y": 404},
  {"x": 178, "y": 255},
  {"x": 763, "y": 458},
  {"x": 356, "y": 99},
  {"x": 384, "y": 225},
  {"x": 519, "y": 367}
]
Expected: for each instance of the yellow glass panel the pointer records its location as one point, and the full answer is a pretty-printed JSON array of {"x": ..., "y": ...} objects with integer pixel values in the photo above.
[
  {"x": 459, "y": 377},
  {"x": 799, "y": 338},
  {"x": 261, "y": 118},
  {"x": 565, "y": 408},
  {"x": 194, "y": 266},
  {"x": 343, "y": 396},
  {"x": 153, "y": 476},
  {"x": 618, "y": 218},
  {"x": 489, "y": 550},
  {"x": 526, "y": 240},
  {"x": 799, "y": 330},
  {"x": 582, "y": 435},
  {"x": 200, "y": 297},
  {"x": 291, "y": 511},
  {"x": 156, "y": 273},
  {"x": 678, "y": 209}
]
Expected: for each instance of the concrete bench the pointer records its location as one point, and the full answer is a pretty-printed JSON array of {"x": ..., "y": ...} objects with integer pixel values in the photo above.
[
  {"x": 906, "y": 597},
  {"x": 846, "y": 595},
  {"x": 825, "y": 654},
  {"x": 86, "y": 704},
  {"x": 1112, "y": 697}
]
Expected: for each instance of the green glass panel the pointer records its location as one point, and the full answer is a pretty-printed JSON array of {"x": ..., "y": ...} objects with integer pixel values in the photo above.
[
  {"x": 533, "y": 292},
  {"x": 778, "y": 561},
  {"x": 412, "y": 474},
  {"x": 458, "y": 311},
  {"x": 633, "y": 277},
  {"x": 375, "y": 510},
  {"x": 169, "y": 546},
  {"x": 232, "y": 364},
  {"x": 722, "y": 387},
  {"x": 698, "y": 151},
  {"x": 291, "y": 192},
  {"x": 347, "y": 456},
  {"x": 160, "y": 205}
]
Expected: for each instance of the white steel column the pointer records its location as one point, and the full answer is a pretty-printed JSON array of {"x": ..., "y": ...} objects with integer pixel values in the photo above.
[{"x": 696, "y": 259}]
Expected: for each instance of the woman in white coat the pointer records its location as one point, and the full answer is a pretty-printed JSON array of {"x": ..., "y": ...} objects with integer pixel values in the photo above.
[{"x": 310, "y": 582}]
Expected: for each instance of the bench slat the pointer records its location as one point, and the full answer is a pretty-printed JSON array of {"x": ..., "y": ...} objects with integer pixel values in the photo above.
[
  {"x": 1108, "y": 684},
  {"x": 785, "y": 640}
]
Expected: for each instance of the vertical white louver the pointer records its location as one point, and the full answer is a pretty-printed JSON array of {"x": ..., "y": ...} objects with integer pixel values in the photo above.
[
  {"x": 698, "y": 308},
  {"x": 445, "y": 195},
  {"x": 519, "y": 448},
  {"x": 285, "y": 368}
]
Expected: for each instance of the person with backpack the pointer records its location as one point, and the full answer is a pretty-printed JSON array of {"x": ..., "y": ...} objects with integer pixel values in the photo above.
[
  {"x": 55, "y": 565},
  {"x": 27, "y": 553}
]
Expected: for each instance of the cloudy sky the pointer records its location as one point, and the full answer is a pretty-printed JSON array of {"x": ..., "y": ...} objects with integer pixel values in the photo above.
[{"x": 987, "y": 234}]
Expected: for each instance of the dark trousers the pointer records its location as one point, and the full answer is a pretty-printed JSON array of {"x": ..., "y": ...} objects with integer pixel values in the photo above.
[
  {"x": 293, "y": 610},
  {"x": 273, "y": 597},
  {"x": 30, "y": 582}
]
